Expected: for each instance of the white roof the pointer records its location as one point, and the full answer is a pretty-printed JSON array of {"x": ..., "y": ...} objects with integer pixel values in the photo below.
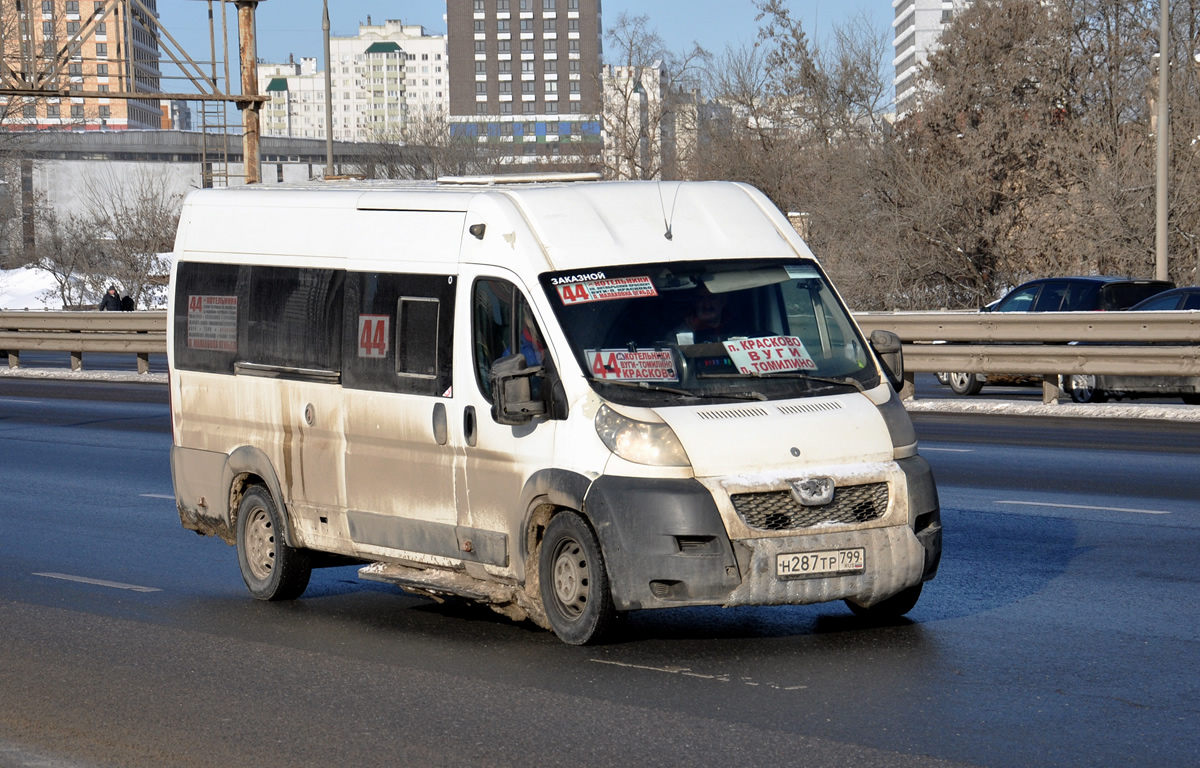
[{"x": 572, "y": 225}]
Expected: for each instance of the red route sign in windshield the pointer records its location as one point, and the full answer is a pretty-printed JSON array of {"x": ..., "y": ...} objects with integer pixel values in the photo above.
[
  {"x": 641, "y": 365},
  {"x": 606, "y": 290}
]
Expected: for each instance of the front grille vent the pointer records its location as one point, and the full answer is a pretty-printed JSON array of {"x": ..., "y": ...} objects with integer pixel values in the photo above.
[
  {"x": 731, "y": 413},
  {"x": 779, "y": 511},
  {"x": 810, "y": 407}
]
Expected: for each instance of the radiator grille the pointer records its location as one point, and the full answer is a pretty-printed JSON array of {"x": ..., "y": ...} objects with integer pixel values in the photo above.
[{"x": 779, "y": 511}]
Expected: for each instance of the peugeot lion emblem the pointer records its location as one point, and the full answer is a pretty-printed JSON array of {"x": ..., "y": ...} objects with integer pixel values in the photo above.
[{"x": 813, "y": 491}]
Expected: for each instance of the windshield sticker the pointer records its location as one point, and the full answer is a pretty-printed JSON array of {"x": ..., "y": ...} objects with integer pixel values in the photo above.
[
  {"x": 770, "y": 354},
  {"x": 373, "y": 335},
  {"x": 212, "y": 323},
  {"x": 577, "y": 278},
  {"x": 623, "y": 365},
  {"x": 606, "y": 290},
  {"x": 802, "y": 272}
]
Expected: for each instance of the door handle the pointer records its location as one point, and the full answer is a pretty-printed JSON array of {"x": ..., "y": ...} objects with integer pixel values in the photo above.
[
  {"x": 469, "y": 425},
  {"x": 439, "y": 423}
]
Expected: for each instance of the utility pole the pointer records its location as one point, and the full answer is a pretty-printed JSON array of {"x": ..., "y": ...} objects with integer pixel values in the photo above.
[
  {"x": 248, "y": 48},
  {"x": 328, "y": 94},
  {"x": 1162, "y": 141}
]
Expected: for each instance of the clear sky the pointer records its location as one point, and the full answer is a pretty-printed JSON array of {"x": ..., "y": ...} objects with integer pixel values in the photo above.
[{"x": 294, "y": 26}]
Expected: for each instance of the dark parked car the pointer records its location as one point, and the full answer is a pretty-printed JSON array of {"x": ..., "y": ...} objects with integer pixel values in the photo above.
[
  {"x": 1061, "y": 294},
  {"x": 1097, "y": 389}
]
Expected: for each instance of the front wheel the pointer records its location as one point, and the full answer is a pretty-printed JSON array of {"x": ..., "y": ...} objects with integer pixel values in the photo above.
[
  {"x": 965, "y": 384},
  {"x": 1191, "y": 398},
  {"x": 891, "y": 609},
  {"x": 1083, "y": 389},
  {"x": 573, "y": 581},
  {"x": 271, "y": 569}
]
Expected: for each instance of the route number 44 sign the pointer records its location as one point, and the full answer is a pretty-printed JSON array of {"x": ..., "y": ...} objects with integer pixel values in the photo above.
[{"x": 373, "y": 335}]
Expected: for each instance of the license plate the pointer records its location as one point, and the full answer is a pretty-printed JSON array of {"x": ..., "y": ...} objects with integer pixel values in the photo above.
[{"x": 830, "y": 561}]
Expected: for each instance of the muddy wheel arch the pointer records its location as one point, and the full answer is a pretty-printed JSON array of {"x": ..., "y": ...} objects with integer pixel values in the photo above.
[{"x": 247, "y": 466}]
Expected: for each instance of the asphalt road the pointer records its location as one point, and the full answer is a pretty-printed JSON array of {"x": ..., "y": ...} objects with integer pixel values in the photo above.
[{"x": 1062, "y": 630}]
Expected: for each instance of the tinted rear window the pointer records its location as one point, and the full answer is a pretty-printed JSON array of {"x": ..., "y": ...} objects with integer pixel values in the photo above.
[{"x": 1125, "y": 295}]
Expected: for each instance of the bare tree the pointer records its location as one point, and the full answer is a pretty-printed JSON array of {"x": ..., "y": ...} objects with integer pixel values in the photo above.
[
  {"x": 1032, "y": 151},
  {"x": 649, "y": 101},
  {"x": 136, "y": 218},
  {"x": 67, "y": 251}
]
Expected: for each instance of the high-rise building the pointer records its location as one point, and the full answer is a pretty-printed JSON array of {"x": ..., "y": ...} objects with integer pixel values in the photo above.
[
  {"x": 101, "y": 52},
  {"x": 917, "y": 26},
  {"x": 379, "y": 78},
  {"x": 525, "y": 75}
]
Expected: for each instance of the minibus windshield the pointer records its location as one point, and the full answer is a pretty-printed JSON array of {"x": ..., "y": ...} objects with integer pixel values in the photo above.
[{"x": 710, "y": 331}]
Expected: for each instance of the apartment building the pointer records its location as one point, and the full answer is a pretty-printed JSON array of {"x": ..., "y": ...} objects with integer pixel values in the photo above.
[
  {"x": 113, "y": 51},
  {"x": 917, "y": 27},
  {"x": 379, "y": 78},
  {"x": 525, "y": 75}
]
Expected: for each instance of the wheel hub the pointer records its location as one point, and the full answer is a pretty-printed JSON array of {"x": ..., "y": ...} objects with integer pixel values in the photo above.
[
  {"x": 571, "y": 579},
  {"x": 260, "y": 544}
]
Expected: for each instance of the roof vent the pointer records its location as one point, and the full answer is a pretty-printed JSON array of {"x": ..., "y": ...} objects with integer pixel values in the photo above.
[{"x": 517, "y": 178}]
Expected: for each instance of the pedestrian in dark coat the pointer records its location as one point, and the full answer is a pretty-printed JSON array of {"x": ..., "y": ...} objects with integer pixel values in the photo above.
[{"x": 111, "y": 301}]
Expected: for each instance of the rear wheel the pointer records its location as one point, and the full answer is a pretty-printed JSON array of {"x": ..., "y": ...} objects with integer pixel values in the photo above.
[
  {"x": 271, "y": 569},
  {"x": 891, "y": 609},
  {"x": 1083, "y": 389},
  {"x": 573, "y": 581},
  {"x": 965, "y": 384}
]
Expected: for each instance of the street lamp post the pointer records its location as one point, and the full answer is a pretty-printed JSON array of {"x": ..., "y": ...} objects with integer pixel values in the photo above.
[
  {"x": 328, "y": 95},
  {"x": 1162, "y": 140}
]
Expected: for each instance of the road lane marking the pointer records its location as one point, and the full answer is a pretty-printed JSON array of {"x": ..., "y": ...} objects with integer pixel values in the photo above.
[
  {"x": 98, "y": 582},
  {"x": 687, "y": 672},
  {"x": 19, "y": 401},
  {"x": 1085, "y": 506},
  {"x": 156, "y": 496},
  {"x": 925, "y": 448}
]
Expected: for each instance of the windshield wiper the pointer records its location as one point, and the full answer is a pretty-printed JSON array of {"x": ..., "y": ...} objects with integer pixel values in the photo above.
[
  {"x": 645, "y": 385},
  {"x": 846, "y": 381}
]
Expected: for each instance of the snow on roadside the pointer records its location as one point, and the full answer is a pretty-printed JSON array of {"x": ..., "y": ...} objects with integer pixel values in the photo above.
[
  {"x": 27, "y": 289},
  {"x": 1161, "y": 411},
  {"x": 66, "y": 374}
]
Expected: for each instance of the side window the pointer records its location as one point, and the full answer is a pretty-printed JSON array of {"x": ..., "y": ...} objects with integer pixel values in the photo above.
[
  {"x": 1163, "y": 303},
  {"x": 206, "y": 317},
  {"x": 1080, "y": 297},
  {"x": 1192, "y": 302},
  {"x": 502, "y": 324},
  {"x": 1051, "y": 298},
  {"x": 1018, "y": 301},
  {"x": 293, "y": 317},
  {"x": 398, "y": 333}
]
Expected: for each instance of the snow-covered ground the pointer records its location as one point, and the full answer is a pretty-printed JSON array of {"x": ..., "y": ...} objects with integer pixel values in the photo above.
[{"x": 28, "y": 289}]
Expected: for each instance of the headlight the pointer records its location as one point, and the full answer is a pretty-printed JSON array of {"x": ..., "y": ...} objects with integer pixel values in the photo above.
[{"x": 639, "y": 441}]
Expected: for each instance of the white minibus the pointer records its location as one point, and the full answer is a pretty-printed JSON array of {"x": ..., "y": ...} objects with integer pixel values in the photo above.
[{"x": 566, "y": 399}]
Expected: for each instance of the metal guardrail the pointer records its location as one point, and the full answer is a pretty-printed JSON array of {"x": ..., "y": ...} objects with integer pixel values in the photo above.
[
  {"x": 1045, "y": 343},
  {"x": 138, "y": 333},
  {"x": 1050, "y": 344},
  {"x": 1112, "y": 343}
]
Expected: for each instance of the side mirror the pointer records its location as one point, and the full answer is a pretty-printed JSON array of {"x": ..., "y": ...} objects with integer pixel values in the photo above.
[
  {"x": 891, "y": 353},
  {"x": 512, "y": 399}
]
